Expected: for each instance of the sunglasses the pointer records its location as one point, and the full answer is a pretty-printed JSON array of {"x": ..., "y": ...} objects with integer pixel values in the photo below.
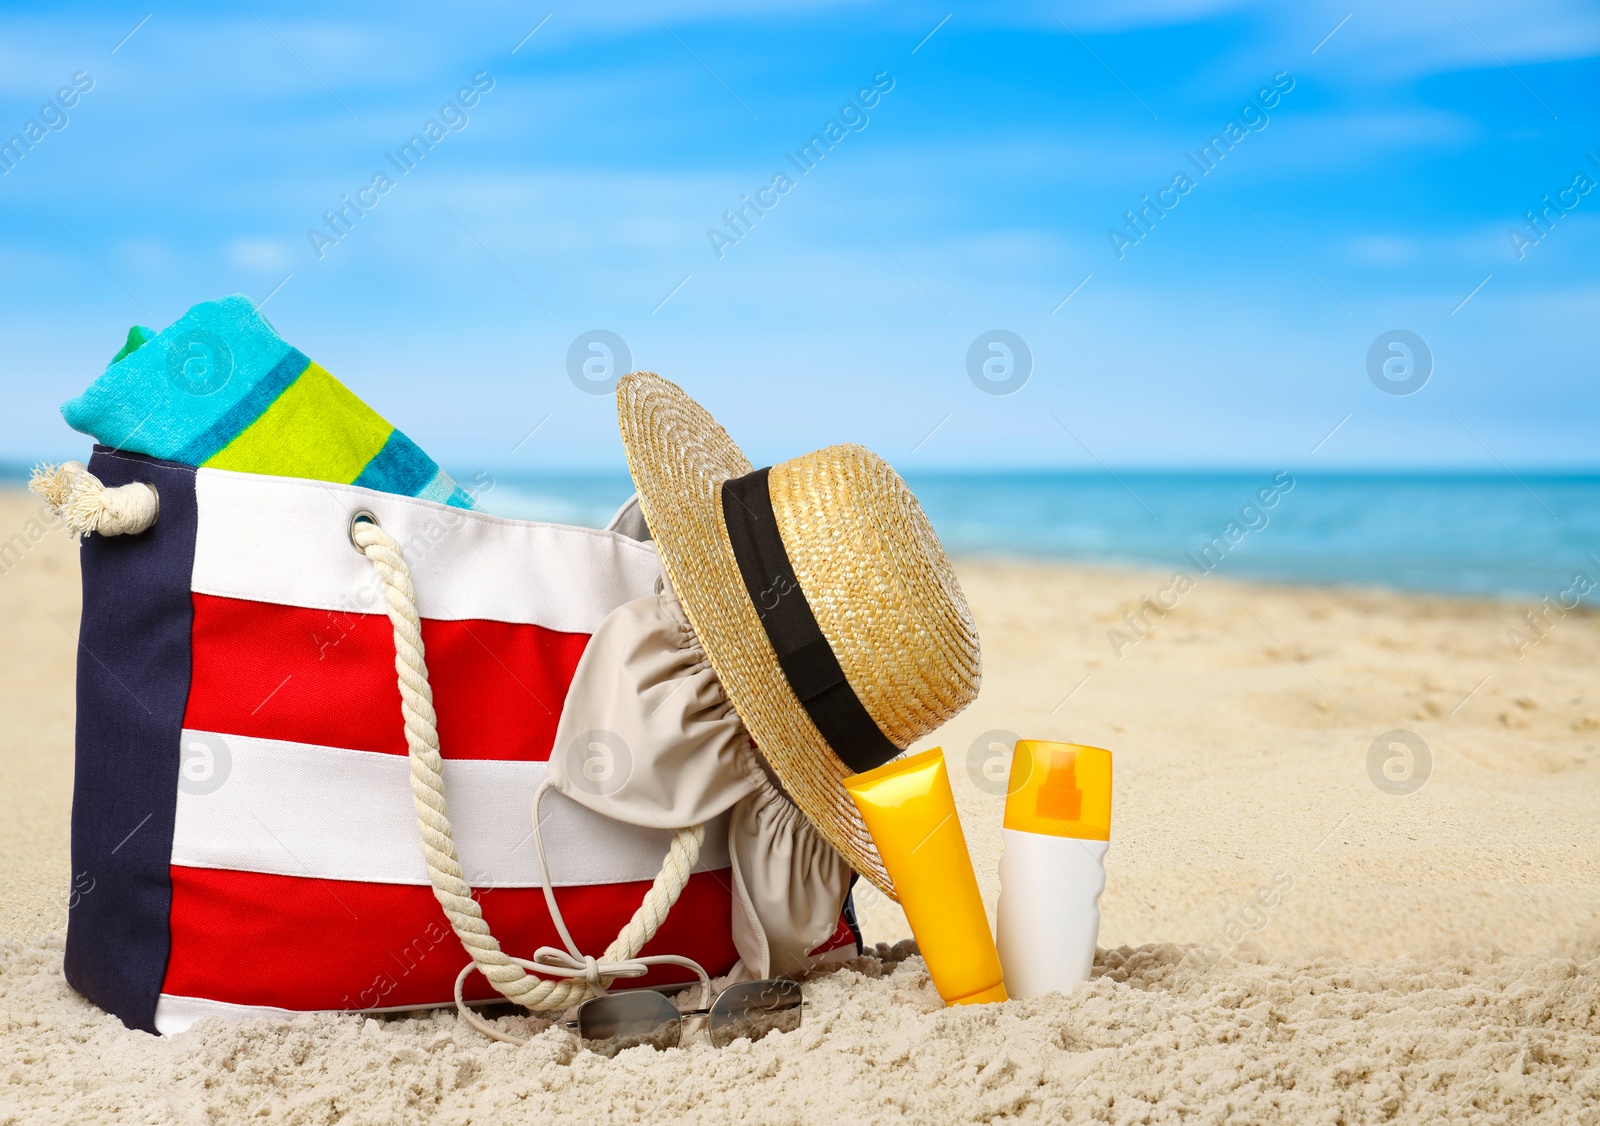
[{"x": 618, "y": 1021}]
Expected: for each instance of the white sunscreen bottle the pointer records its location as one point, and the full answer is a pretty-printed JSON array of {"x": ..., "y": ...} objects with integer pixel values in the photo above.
[{"x": 1057, "y": 830}]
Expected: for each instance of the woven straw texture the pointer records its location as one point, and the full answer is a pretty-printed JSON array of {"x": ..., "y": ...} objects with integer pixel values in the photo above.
[{"x": 868, "y": 563}]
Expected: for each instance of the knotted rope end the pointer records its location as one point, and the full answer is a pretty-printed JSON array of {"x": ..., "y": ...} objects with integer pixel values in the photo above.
[
  {"x": 53, "y": 483},
  {"x": 86, "y": 505}
]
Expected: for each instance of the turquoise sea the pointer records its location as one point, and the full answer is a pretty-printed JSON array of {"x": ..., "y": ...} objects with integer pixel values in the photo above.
[
  {"x": 1494, "y": 534},
  {"x": 1486, "y": 534}
]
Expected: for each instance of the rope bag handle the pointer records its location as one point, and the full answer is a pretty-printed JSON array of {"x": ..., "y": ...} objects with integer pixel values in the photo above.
[{"x": 87, "y": 505}]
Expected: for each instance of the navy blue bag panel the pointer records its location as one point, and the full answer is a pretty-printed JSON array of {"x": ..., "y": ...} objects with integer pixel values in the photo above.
[{"x": 133, "y": 687}]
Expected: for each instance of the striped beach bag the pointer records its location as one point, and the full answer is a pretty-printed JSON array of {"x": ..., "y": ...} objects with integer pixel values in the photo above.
[{"x": 245, "y": 821}]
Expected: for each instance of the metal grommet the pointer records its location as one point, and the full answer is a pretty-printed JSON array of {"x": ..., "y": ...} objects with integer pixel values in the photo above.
[{"x": 359, "y": 516}]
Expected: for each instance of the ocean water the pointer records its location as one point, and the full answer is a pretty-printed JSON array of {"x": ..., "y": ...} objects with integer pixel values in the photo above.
[
  {"x": 1481, "y": 534},
  {"x": 1489, "y": 534}
]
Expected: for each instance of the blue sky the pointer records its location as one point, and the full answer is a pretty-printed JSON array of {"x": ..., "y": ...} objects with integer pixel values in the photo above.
[{"x": 976, "y": 194}]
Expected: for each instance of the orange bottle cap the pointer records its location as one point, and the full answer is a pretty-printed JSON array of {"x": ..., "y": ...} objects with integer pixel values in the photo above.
[{"x": 1060, "y": 790}]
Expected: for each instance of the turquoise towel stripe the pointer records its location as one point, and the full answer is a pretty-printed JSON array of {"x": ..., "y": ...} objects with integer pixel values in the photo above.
[
  {"x": 400, "y": 467},
  {"x": 146, "y": 402},
  {"x": 460, "y": 499},
  {"x": 205, "y": 445}
]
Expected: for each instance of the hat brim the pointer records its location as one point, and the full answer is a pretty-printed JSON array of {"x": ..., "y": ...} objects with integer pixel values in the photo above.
[{"x": 679, "y": 456}]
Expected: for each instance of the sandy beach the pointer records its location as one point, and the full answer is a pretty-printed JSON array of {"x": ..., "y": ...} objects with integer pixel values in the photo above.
[{"x": 1283, "y": 938}]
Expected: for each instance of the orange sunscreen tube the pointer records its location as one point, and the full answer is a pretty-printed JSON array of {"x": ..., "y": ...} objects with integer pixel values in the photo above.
[{"x": 911, "y": 813}]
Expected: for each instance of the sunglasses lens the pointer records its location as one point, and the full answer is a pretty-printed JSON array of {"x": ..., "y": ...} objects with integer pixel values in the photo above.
[
  {"x": 752, "y": 1009},
  {"x": 609, "y": 1025}
]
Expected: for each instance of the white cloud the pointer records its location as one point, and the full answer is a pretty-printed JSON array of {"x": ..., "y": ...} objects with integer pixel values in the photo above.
[
  {"x": 263, "y": 254},
  {"x": 1383, "y": 250}
]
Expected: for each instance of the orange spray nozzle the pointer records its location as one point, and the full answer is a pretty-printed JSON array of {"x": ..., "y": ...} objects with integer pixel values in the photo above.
[
  {"x": 1060, "y": 790},
  {"x": 1059, "y": 797}
]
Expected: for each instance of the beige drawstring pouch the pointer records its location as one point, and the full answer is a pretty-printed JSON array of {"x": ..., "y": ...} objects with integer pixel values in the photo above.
[{"x": 648, "y": 737}]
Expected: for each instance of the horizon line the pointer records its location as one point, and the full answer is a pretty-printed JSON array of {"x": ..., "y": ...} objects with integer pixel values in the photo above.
[{"x": 15, "y": 470}]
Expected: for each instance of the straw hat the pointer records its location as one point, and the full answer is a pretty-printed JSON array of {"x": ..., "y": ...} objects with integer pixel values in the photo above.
[{"x": 824, "y": 601}]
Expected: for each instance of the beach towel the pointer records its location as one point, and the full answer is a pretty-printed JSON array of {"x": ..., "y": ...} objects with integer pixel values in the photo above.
[{"x": 220, "y": 389}]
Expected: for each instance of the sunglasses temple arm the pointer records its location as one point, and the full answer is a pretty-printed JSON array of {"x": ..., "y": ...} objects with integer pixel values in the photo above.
[{"x": 688, "y": 964}]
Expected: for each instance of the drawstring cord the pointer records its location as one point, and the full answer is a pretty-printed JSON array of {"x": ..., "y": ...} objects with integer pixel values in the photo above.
[{"x": 571, "y": 964}]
